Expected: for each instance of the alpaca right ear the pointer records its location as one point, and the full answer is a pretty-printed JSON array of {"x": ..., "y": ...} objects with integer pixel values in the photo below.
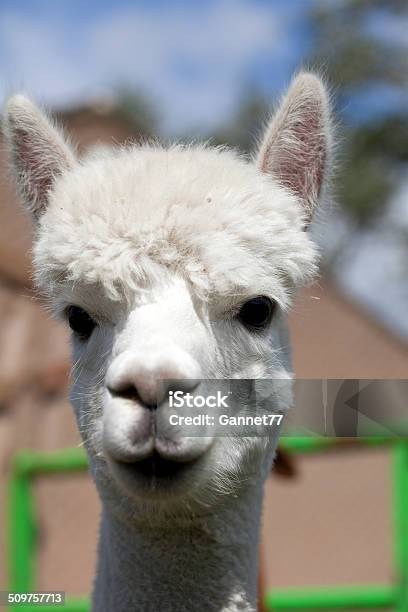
[
  {"x": 297, "y": 144},
  {"x": 37, "y": 151}
]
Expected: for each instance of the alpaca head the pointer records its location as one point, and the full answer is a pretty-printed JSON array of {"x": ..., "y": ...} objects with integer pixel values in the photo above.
[{"x": 174, "y": 267}]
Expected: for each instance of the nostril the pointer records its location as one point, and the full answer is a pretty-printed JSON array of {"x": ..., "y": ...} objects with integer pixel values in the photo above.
[
  {"x": 131, "y": 393},
  {"x": 125, "y": 391}
]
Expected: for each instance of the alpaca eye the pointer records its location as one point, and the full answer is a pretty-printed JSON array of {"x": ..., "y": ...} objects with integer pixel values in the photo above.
[
  {"x": 257, "y": 312},
  {"x": 80, "y": 322}
]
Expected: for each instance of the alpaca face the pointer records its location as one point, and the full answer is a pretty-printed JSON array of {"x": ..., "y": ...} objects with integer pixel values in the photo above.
[
  {"x": 174, "y": 269},
  {"x": 169, "y": 340}
]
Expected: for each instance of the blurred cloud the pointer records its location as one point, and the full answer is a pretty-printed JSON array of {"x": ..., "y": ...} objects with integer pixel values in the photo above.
[
  {"x": 389, "y": 27},
  {"x": 191, "y": 58}
]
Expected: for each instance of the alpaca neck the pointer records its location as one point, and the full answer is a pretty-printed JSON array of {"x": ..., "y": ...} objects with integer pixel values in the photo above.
[{"x": 210, "y": 564}]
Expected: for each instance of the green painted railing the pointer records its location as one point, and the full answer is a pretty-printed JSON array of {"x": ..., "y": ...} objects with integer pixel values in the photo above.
[
  {"x": 22, "y": 533},
  {"x": 26, "y": 467}
]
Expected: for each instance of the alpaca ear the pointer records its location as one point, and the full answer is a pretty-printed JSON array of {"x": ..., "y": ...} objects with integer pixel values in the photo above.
[
  {"x": 296, "y": 146},
  {"x": 37, "y": 151}
]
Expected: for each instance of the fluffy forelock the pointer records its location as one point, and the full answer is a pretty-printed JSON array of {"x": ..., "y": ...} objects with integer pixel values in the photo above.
[{"x": 206, "y": 213}]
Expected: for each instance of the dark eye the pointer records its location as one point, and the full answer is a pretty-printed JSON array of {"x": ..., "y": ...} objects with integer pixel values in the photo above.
[
  {"x": 80, "y": 322},
  {"x": 257, "y": 312}
]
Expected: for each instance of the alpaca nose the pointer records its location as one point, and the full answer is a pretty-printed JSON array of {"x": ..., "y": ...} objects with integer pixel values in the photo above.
[{"x": 147, "y": 380}]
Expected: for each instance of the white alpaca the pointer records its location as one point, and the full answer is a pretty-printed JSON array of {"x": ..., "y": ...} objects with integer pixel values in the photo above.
[{"x": 174, "y": 267}]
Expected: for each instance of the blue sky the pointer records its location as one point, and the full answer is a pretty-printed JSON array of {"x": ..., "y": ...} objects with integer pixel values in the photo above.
[{"x": 191, "y": 58}]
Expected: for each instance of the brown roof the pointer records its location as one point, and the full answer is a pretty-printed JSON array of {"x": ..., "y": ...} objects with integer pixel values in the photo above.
[
  {"x": 334, "y": 338},
  {"x": 96, "y": 124},
  {"x": 15, "y": 231}
]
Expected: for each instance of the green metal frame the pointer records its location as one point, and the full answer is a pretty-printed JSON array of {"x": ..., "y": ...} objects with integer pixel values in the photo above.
[
  {"x": 26, "y": 467},
  {"x": 365, "y": 596},
  {"x": 22, "y": 533}
]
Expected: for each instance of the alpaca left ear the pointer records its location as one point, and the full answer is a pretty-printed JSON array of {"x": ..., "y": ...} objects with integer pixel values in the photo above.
[
  {"x": 296, "y": 146},
  {"x": 37, "y": 150}
]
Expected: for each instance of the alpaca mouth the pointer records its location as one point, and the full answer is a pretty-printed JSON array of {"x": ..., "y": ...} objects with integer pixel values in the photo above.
[
  {"x": 156, "y": 466},
  {"x": 155, "y": 471}
]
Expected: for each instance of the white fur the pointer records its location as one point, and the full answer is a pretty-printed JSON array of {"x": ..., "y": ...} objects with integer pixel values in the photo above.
[{"x": 162, "y": 246}]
